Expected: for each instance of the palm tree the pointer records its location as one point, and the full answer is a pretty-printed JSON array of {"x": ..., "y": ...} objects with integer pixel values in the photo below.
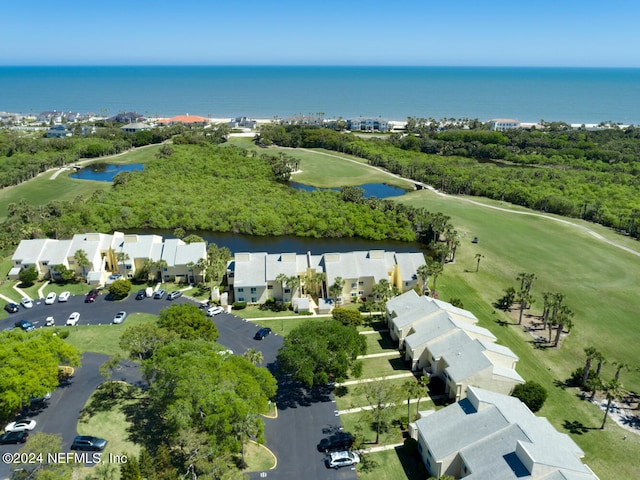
[
  {"x": 82, "y": 260},
  {"x": 121, "y": 258},
  {"x": 562, "y": 320},
  {"x": 414, "y": 390},
  {"x": 283, "y": 279},
  {"x": 424, "y": 272},
  {"x": 254, "y": 356},
  {"x": 245, "y": 428},
  {"x": 293, "y": 283},
  {"x": 160, "y": 265},
  {"x": 312, "y": 281},
  {"x": 590, "y": 352},
  {"x": 382, "y": 290},
  {"x": 620, "y": 366},
  {"x": 335, "y": 290},
  {"x": 612, "y": 390},
  {"x": 435, "y": 269},
  {"x": 479, "y": 257},
  {"x": 524, "y": 299}
]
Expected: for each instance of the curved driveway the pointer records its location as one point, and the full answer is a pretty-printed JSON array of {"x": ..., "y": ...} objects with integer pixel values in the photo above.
[{"x": 304, "y": 415}]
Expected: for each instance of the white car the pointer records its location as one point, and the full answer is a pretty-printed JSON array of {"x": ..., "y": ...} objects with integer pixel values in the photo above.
[
  {"x": 64, "y": 296},
  {"x": 342, "y": 459},
  {"x": 119, "y": 318},
  {"x": 51, "y": 298},
  {"x": 49, "y": 322},
  {"x": 26, "y": 302},
  {"x": 214, "y": 311},
  {"x": 73, "y": 319},
  {"x": 20, "y": 426}
]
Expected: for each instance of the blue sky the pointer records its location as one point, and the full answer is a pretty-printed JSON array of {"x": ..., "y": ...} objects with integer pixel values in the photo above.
[{"x": 326, "y": 32}]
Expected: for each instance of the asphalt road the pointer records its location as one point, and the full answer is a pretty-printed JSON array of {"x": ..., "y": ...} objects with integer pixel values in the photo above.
[{"x": 304, "y": 416}]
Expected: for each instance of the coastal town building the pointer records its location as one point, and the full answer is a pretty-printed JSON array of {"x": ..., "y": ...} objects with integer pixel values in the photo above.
[
  {"x": 442, "y": 341},
  {"x": 111, "y": 253},
  {"x": 58, "y": 131},
  {"x": 135, "y": 127},
  {"x": 368, "y": 124},
  {"x": 242, "y": 122},
  {"x": 493, "y": 436},
  {"x": 127, "y": 117},
  {"x": 253, "y": 277},
  {"x": 502, "y": 124},
  {"x": 185, "y": 119}
]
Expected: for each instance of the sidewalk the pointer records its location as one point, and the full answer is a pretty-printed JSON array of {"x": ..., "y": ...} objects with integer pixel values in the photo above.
[
  {"x": 382, "y": 448},
  {"x": 368, "y": 407},
  {"x": 376, "y": 355},
  {"x": 376, "y": 379}
]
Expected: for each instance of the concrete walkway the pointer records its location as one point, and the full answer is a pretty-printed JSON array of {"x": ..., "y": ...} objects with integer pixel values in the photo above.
[
  {"x": 373, "y": 332},
  {"x": 21, "y": 292},
  {"x": 376, "y": 379},
  {"x": 41, "y": 289},
  {"x": 376, "y": 355},
  {"x": 368, "y": 407},
  {"x": 7, "y": 299},
  {"x": 382, "y": 448}
]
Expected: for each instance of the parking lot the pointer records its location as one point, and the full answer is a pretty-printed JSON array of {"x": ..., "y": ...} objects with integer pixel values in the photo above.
[{"x": 303, "y": 414}]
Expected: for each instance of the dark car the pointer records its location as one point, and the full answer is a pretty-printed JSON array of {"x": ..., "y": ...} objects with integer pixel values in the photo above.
[
  {"x": 86, "y": 442},
  {"x": 335, "y": 443},
  {"x": 174, "y": 295},
  {"x": 260, "y": 334},
  {"x": 24, "y": 325},
  {"x": 92, "y": 295},
  {"x": 141, "y": 295},
  {"x": 12, "y": 307},
  {"x": 14, "y": 437}
]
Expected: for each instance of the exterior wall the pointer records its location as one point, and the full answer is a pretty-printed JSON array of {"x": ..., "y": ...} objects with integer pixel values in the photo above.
[
  {"x": 257, "y": 294},
  {"x": 501, "y": 360}
]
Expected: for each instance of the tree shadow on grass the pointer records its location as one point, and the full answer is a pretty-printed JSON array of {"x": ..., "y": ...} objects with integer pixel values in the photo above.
[
  {"x": 106, "y": 397},
  {"x": 577, "y": 428},
  {"x": 145, "y": 426}
]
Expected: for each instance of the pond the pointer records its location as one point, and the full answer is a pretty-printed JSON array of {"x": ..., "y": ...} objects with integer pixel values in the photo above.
[
  {"x": 378, "y": 190},
  {"x": 237, "y": 242},
  {"x": 105, "y": 172}
]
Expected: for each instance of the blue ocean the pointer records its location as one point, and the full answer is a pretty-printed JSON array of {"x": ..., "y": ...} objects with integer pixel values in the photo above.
[{"x": 573, "y": 95}]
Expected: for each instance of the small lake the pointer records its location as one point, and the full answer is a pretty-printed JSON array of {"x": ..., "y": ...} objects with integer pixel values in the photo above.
[
  {"x": 237, "y": 242},
  {"x": 105, "y": 172},
  {"x": 378, "y": 190}
]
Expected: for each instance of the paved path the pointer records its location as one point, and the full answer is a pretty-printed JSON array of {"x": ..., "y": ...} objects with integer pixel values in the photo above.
[
  {"x": 376, "y": 355},
  {"x": 587, "y": 230},
  {"x": 41, "y": 289},
  {"x": 376, "y": 379},
  {"x": 20, "y": 291},
  {"x": 373, "y": 332},
  {"x": 369, "y": 407},
  {"x": 382, "y": 448}
]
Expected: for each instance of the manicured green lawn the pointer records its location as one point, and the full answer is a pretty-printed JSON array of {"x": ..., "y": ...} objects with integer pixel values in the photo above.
[
  {"x": 104, "y": 338},
  {"x": 383, "y": 366},
  {"x": 380, "y": 343},
  {"x": 352, "y": 396},
  {"x": 254, "y": 312},
  {"x": 258, "y": 458},
  {"x": 42, "y": 189},
  {"x": 361, "y": 422},
  {"x": 600, "y": 284},
  {"x": 392, "y": 465},
  {"x": 283, "y": 326}
]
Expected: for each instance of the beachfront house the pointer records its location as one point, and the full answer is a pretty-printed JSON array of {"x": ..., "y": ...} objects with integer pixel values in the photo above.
[
  {"x": 502, "y": 124},
  {"x": 489, "y": 435},
  {"x": 368, "y": 124}
]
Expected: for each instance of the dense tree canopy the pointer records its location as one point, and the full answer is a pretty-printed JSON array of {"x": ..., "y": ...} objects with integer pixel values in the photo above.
[
  {"x": 188, "y": 321},
  {"x": 30, "y": 366},
  {"x": 202, "y": 398},
  {"x": 316, "y": 353},
  {"x": 592, "y": 175}
]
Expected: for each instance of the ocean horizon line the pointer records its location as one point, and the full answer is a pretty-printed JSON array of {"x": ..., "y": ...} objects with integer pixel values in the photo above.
[{"x": 310, "y": 65}]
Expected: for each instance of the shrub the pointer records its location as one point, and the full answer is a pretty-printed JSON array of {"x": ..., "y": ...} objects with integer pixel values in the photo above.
[
  {"x": 120, "y": 288},
  {"x": 239, "y": 305},
  {"x": 532, "y": 394},
  {"x": 28, "y": 275},
  {"x": 347, "y": 317}
]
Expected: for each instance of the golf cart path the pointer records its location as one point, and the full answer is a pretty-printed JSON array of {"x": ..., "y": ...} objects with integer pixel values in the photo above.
[{"x": 587, "y": 230}]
